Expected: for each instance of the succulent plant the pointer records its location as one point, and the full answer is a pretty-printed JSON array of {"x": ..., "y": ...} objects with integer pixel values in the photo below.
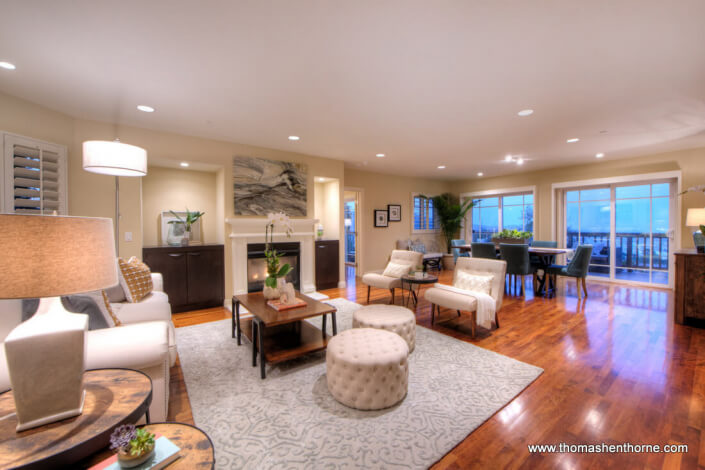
[
  {"x": 121, "y": 437},
  {"x": 142, "y": 442}
]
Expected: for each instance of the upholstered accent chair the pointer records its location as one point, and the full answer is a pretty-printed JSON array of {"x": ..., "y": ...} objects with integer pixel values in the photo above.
[
  {"x": 518, "y": 263},
  {"x": 460, "y": 302},
  {"x": 483, "y": 250},
  {"x": 577, "y": 267},
  {"x": 456, "y": 251},
  {"x": 379, "y": 280}
]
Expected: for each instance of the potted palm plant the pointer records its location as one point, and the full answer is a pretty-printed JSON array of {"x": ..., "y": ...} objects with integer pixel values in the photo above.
[{"x": 450, "y": 213}]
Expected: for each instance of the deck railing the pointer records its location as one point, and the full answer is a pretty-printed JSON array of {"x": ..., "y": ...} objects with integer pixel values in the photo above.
[{"x": 633, "y": 250}]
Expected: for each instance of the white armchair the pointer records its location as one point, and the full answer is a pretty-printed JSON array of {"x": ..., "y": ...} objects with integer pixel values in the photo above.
[
  {"x": 457, "y": 300},
  {"x": 379, "y": 280}
]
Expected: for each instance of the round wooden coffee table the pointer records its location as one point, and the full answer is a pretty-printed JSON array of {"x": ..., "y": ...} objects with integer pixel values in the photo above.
[{"x": 113, "y": 397}]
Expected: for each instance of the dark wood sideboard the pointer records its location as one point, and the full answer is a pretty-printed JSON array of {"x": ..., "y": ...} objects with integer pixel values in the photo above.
[
  {"x": 327, "y": 264},
  {"x": 194, "y": 276},
  {"x": 690, "y": 288}
]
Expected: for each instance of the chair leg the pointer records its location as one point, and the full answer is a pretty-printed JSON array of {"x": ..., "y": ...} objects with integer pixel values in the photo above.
[
  {"x": 584, "y": 287},
  {"x": 496, "y": 319},
  {"x": 577, "y": 285},
  {"x": 392, "y": 291},
  {"x": 458, "y": 312},
  {"x": 433, "y": 314},
  {"x": 534, "y": 281},
  {"x": 522, "y": 285},
  {"x": 473, "y": 323},
  {"x": 368, "y": 293}
]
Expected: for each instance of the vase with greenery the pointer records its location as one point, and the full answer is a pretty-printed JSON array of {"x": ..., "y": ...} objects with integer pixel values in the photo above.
[
  {"x": 275, "y": 271},
  {"x": 511, "y": 236},
  {"x": 133, "y": 446},
  {"x": 450, "y": 213},
  {"x": 187, "y": 221}
]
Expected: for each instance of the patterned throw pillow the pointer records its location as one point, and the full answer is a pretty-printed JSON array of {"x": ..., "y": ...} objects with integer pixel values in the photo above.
[
  {"x": 474, "y": 282},
  {"x": 396, "y": 270},
  {"x": 135, "y": 279}
]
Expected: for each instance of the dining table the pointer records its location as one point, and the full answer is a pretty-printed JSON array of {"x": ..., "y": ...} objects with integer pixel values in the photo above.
[{"x": 545, "y": 256}]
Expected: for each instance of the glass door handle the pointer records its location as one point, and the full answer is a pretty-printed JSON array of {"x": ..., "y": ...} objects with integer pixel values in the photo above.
[{"x": 671, "y": 233}]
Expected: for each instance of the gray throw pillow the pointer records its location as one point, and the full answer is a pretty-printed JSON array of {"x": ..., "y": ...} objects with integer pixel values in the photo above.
[{"x": 85, "y": 304}]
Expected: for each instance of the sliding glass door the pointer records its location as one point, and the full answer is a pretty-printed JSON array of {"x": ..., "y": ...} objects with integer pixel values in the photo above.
[{"x": 629, "y": 227}]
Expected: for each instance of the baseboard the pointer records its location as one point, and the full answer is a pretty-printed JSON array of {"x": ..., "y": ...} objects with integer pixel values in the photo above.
[{"x": 342, "y": 285}]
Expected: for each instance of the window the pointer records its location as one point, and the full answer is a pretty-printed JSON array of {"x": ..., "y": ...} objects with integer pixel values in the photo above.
[
  {"x": 494, "y": 213},
  {"x": 424, "y": 215},
  {"x": 34, "y": 177}
]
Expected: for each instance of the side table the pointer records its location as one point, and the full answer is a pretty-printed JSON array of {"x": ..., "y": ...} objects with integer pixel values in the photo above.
[
  {"x": 419, "y": 281},
  {"x": 113, "y": 397}
]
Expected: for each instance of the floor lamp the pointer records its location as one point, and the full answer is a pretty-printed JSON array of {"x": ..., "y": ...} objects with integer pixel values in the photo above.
[{"x": 118, "y": 159}]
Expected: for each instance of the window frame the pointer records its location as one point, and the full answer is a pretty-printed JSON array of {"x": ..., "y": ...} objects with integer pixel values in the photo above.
[
  {"x": 413, "y": 216},
  {"x": 498, "y": 193}
]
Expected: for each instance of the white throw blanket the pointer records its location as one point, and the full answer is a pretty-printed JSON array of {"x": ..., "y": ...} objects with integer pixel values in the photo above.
[{"x": 486, "y": 305}]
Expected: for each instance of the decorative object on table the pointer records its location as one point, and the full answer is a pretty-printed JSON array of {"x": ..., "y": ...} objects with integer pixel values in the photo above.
[
  {"x": 275, "y": 273},
  {"x": 117, "y": 159},
  {"x": 381, "y": 218},
  {"x": 46, "y": 257},
  {"x": 279, "y": 305},
  {"x": 419, "y": 272},
  {"x": 263, "y": 186},
  {"x": 508, "y": 236},
  {"x": 319, "y": 231},
  {"x": 394, "y": 211},
  {"x": 451, "y": 214},
  {"x": 288, "y": 294},
  {"x": 133, "y": 446},
  {"x": 696, "y": 218},
  {"x": 182, "y": 225}
]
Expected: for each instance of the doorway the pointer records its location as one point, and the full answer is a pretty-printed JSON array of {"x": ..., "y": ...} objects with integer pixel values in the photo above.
[
  {"x": 629, "y": 226},
  {"x": 351, "y": 214}
]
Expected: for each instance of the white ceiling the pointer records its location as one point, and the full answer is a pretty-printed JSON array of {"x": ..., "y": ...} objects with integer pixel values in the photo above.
[{"x": 426, "y": 83}]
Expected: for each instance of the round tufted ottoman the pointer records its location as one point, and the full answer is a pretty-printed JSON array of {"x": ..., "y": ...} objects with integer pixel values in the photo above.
[
  {"x": 392, "y": 318},
  {"x": 367, "y": 368}
]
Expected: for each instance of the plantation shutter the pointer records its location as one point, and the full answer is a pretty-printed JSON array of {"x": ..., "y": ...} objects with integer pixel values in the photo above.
[{"x": 35, "y": 176}]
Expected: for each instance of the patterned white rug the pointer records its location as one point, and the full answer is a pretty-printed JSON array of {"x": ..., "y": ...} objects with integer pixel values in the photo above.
[{"x": 289, "y": 420}]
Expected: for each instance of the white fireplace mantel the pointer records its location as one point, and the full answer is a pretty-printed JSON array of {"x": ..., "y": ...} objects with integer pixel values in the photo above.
[{"x": 245, "y": 230}]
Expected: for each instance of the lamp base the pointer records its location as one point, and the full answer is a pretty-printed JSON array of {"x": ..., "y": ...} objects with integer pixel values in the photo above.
[{"x": 45, "y": 359}]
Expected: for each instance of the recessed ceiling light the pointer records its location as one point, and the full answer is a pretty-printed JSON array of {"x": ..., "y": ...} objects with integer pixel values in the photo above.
[
  {"x": 7, "y": 66},
  {"x": 441, "y": 167},
  {"x": 320, "y": 180},
  {"x": 294, "y": 137},
  {"x": 380, "y": 155},
  {"x": 599, "y": 155},
  {"x": 184, "y": 164},
  {"x": 572, "y": 140},
  {"x": 480, "y": 174},
  {"x": 520, "y": 161},
  {"x": 526, "y": 112},
  {"x": 508, "y": 158},
  {"x": 145, "y": 108}
]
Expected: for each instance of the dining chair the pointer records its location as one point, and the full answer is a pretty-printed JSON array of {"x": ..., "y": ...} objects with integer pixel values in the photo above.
[
  {"x": 483, "y": 250},
  {"x": 577, "y": 267},
  {"x": 518, "y": 264},
  {"x": 536, "y": 259},
  {"x": 456, "y": 251}
]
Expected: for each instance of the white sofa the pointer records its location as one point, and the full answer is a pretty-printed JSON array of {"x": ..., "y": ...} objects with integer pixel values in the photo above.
[
  {"x": 379, "y": 280},
  {"x": 145, "y": 342}
]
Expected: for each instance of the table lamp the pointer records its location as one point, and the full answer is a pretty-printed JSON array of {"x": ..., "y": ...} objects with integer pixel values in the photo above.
[
  {"x": 696, "y": 218},
  {"x": 46, "y": 257}
]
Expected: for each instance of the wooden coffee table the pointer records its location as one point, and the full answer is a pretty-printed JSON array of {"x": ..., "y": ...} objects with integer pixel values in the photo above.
[
  {"x": 280, "y": 336},
  {"x": 113, "y": 397}
]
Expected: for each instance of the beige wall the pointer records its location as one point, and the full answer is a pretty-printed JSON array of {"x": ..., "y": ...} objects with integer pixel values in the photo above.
[
  {"x": 166, "y": 189},
  {"x": 378, "y": 190},
  {"x": 328, "y": 208},
  {"x": 94, "y": 195},
  {"x": 690, "y": 162}
]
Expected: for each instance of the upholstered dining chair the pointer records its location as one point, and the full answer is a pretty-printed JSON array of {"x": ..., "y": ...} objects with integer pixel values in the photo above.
[
  {"x": 409, "y": 259},
  {"x": 577, "y": 267},
  {"x": 518, "y": 263},
  {"x": 460, "y": 302},
  {"x": 483, "y": 250},
  {"x": 456, "y": 251},
  {"x": 535, "y": 259}
]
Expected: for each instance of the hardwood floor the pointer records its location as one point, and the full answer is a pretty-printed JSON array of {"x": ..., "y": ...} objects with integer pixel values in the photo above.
[{"x": 616, "y": 370}]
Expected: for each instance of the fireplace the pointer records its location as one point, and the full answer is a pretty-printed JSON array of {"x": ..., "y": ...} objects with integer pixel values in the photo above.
[{"x": 257, "y": 264}]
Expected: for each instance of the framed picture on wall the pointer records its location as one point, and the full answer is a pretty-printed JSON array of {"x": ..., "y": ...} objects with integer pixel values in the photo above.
[
  {"x": 394, "y": 212},
  {"x": 381, "y": 218}
]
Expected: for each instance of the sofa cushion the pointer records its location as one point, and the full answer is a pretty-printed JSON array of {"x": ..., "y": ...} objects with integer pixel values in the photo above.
[
  {"x": 449, "y": 299},
  {"x": 116, "y": 294},
  {"x": 135, "y": 279}
]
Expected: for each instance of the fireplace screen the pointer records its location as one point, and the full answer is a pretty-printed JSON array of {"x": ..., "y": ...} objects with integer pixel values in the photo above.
[{"x": 257, "y": 264}]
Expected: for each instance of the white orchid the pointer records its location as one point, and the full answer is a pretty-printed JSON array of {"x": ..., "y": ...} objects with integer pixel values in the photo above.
[
  {"x": 695, "y": 189},
  {"x": 275, "y": 219}
]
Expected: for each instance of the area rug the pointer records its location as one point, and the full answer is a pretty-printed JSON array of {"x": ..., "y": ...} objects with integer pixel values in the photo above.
[{"x": 289, "y": 420}]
